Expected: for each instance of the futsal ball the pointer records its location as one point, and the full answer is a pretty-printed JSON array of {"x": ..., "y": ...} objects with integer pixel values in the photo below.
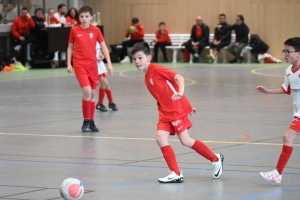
[
  {"x": 71, "y": 189},
  {"x": 131, "y": 29}
]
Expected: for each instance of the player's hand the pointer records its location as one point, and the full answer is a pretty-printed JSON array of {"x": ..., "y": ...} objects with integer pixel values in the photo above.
[
  {"x": 262, "y": 89},
  {"x": 236, "y": 44},
  {"x": 28, "y": 15},
  {"x": 215, "y": 42},
  {"x": 101, "y": 57},
  {"x": 69, "y": 68},
  {"x": 110, "y": 69},
  {"x": 177, "y": 96},
  {"x": 22, "y": 38},
  {"x": 218, "y": 26},
  {"x": 194, "y": 110}
]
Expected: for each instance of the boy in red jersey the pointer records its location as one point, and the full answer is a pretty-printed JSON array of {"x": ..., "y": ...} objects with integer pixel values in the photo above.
[
  {"x": 136, "y": 36},
  {"x": 173, "y": 113},
  {"x": 291, "y": 86},
  {"x": 82, "y": 43},
  {"x": 162, "y": 40}
]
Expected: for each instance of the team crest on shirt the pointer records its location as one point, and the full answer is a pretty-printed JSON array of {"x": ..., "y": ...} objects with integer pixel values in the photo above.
[
  {"x": 151, "y": 81},
  {"x": 91, "y": 35}
]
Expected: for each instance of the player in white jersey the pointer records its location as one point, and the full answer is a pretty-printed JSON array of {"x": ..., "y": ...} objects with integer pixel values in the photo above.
[
  {"x": 104, "y": 86},
  {"x": 291, "y": 86}
]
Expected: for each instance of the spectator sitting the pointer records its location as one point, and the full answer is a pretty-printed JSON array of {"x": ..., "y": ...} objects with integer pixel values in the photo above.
[
  {"x": 72, "y": 17},
  {"x": 39, "y": 18},
  {"x": 222, "y": 38},
  {"x": 7, "y": 6},
  {"x": 21, "y": 34},
  {"x": 60, "y": 15},
  {"x": 51, "y": 19},
  {"x": 241, "y": 31},
  {"x": 137, "y": 35},
  {"x": 199, "y": 38}
]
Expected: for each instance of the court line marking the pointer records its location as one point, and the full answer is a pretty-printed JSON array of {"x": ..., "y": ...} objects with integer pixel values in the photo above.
[
  {"x": 138, "y": 139},
  {"x": 255, "y": 71}
]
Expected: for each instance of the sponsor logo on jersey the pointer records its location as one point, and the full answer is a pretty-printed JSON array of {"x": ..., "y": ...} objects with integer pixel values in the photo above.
[
  {"x": 79, "y": 35},
  {"x": 175, "y": 123},
  {"x": 91, "y": 35},
  {"x": 295, "y": 91},
  {"x": 151, "y": 81}
]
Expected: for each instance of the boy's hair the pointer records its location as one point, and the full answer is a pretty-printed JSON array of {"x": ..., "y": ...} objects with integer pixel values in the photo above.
[
  {"x": 135, "y": 20},
  {"x": 86, "y": 9},
  {"x": 141, "y": 46},
  {"x": 241, "y": 17},
  {"x": 293, "y": 42},
  {"x": 222, "y": 15},
  {"x": 60, "y": 6},
  {"x": 161, "y": 23},
  {"x": 38, "y": 9}
]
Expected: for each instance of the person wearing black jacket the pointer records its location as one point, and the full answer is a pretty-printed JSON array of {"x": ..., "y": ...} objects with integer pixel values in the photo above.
[
  {"x": 222, "y": 38},
  {"x": 199, "y": 38},
  {"x": 241, "y": 31}
]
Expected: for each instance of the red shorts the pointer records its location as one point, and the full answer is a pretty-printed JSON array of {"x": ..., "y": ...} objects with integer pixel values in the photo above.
[
  {"x": 84, "y": 80},
  {"x": 176, "y": 126},
  {"x": 102, "y": 75},
  {"x": 295, "y": 125}
]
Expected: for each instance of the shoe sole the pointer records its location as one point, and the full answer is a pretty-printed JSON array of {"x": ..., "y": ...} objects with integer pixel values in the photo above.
[
  {"x": 221, "y": 169},
  {"x": 262, "y": 175},
  {"x": 176, "y": 181},
  {"x": 86, "y": 130}
]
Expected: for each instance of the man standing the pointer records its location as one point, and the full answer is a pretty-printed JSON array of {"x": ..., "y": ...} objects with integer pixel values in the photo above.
[
  {"x": 222, "y": 38},
  {"x": 60, "y": 15},
  {"x": 199, "y": 38},
  {"x": 21, "y": 36},
  {"x": 241, "y": 31}
]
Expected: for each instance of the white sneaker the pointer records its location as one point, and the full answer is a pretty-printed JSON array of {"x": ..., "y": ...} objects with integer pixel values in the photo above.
[
  {"x": 125, "y": 60},
  {"x": 272, "y": 176},
  {"x": 196, "y": 55},
  {"x": 28, "y": 65},
  {"x": 172, "y": 178},
  {"x": 218, "y": 166}
]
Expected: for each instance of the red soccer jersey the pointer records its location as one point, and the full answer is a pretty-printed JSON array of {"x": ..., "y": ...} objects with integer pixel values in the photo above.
[
  {"x": 84, "y": 55},
  {"x": 162, "y": 37},
  {"x": 139, "y": 35},
  {"x": 21, "y": 24},
  {"x": 53, "y": 20},
  {"x": 156, "y": 82}
]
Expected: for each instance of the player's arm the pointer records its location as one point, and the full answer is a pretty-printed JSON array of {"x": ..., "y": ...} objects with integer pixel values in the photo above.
[
  {"x": 106, "y": 55},
  {"x": 69, "y": 56},
  {"x": 180, "y": 82},
  {"x": 265, "y": 90}
]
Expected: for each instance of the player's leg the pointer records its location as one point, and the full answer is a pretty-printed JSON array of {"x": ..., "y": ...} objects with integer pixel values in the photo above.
[
  {"x": 287, "y": 149},
  {"x": 86, "y": 107},
  {"x": 163, "y": 50},
  {"x": 108, "y": 91},
  {"x": 203, "y": 150},
  {"x": 175, "y": 175},
  {"x": 92, "y": 126},
  {"x": 201, "y": 46},
  {"x": 102, "y": 91},
  {"x": 124, "y": 54},
  {"x": 211, "y": 56},
  {"x": 231, "y": 48}
]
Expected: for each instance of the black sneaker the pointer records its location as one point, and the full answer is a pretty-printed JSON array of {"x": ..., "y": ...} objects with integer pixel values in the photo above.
[
  {"x": 233, "y": 61},
  {"x": 86, "y": 125},
  {"x": 93, "y": 127},
  {"x": 113, "y": 106},
  {"x": 101, "y": 107}
]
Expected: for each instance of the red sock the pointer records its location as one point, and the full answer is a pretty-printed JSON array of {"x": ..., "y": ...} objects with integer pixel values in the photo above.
[
  {"x": 109, "y": 96},
  {"x": 284, "y": 158},
  {"x": 170, "y": 158},
  {"x": 86, "y": 109},
  {"x": 204, "y": 151},
  {"x": 92, "y": 112},
  {"x": 101, "y": 96}
]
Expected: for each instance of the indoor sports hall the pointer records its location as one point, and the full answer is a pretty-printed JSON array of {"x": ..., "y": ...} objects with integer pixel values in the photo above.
[{"x": 40, "y": 116}]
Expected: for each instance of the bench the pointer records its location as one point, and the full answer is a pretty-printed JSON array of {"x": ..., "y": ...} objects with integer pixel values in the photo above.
[{"x": 181, "y": 38}]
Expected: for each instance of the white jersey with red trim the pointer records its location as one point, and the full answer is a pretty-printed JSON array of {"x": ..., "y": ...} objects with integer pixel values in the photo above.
[
  {"x": 291, "y": 86},
  {"x": 101, "y": 66}
]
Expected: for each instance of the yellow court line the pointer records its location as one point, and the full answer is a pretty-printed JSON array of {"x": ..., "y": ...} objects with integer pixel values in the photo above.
[
  {"x": 138, "y": 139},
  {"x": 255, "y": 71}
]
